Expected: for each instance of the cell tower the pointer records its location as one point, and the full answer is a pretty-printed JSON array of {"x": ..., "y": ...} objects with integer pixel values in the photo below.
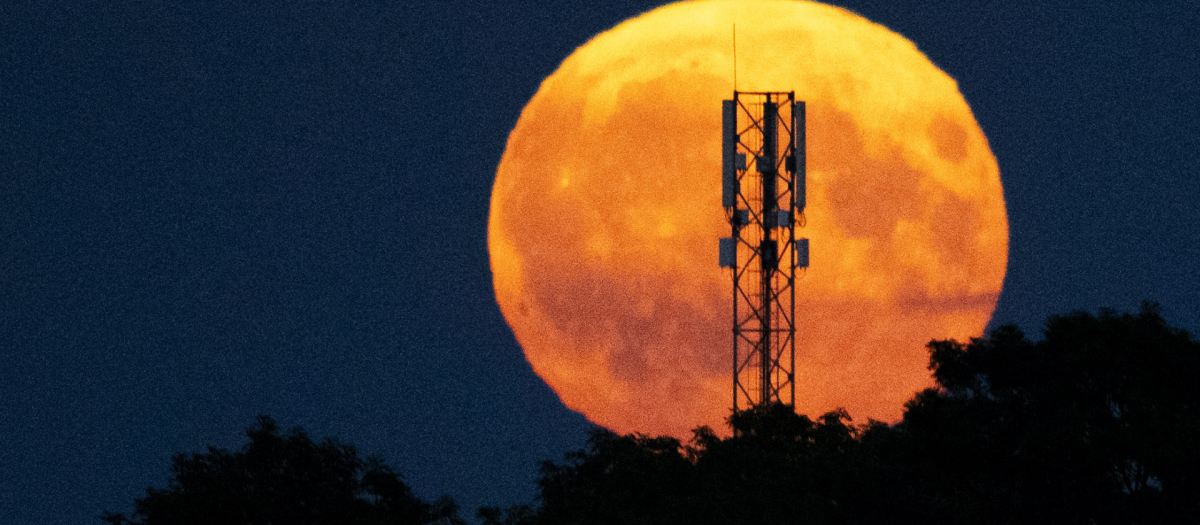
[{"x": 763, "y": 165}]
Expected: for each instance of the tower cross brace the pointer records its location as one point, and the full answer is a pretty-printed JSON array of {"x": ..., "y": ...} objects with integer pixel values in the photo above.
[{"x": 763, "y": 192}]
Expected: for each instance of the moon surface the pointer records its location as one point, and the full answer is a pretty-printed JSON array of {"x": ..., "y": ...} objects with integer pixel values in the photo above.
[{"x": 606, "y": 211}]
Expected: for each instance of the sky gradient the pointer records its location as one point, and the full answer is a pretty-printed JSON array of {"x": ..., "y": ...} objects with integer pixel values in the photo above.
[{"x": 216, "y": 210}]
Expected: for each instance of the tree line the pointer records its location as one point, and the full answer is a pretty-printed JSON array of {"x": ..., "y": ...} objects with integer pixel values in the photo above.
[{"x": 1098, "y": 422}]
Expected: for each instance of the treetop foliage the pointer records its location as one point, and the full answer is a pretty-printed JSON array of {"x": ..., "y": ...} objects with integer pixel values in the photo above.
[
  {"x": 1099, "y": 422},
  {"x": 1096, "y": 423},
  {"x": 283, "y": 479}
]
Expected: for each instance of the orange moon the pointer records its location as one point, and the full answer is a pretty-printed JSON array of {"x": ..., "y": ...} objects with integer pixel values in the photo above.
[{"x": 606, "y": 211}]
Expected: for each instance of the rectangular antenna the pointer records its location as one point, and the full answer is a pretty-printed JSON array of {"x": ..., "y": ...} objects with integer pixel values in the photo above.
[
  {"x": 729, "y": 139},
  {"x": 802, "y": 253},
  {"x": 800, "y": 153}
]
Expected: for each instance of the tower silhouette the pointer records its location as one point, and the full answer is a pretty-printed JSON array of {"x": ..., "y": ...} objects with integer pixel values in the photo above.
[{"x": 763, "y": 164}]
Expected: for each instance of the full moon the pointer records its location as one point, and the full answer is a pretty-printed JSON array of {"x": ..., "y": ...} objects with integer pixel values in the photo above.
[{"x": 606, "y": 212}]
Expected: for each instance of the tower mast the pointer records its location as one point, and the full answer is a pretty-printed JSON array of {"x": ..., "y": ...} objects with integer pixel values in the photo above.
[{"x": 763, "y": 192}]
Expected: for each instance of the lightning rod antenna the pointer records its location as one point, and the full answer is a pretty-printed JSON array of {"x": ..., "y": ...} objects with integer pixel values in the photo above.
[{"x": 735, "y": 57}]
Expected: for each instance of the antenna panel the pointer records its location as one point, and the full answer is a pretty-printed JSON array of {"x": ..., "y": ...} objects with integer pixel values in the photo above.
[
  {"x": 800, "y": 154},
  {"x": 729, "y": 154},
  {"x": 728, "y": 252},
  {"x": 802, "y": 253}
]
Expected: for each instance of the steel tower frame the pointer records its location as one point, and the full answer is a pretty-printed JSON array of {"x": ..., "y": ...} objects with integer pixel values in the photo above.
[{"x": 763, "y": 193}]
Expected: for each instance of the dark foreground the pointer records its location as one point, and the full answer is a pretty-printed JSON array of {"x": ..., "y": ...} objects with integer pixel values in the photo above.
[{"x": 1099, "y": 422}]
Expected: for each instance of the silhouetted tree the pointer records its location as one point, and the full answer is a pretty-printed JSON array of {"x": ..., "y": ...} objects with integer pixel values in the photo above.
[
  {"x": 515, "y": 515},
  {"x": 779, "y": 467},
  {"x": 1097, "y": 423},
  {"x": 283, "y": 479},
  {"x": 619, "y": 479}
]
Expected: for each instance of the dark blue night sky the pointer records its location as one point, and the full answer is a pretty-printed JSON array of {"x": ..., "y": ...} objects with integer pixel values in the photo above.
[{"x": 212, "y": 210}]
